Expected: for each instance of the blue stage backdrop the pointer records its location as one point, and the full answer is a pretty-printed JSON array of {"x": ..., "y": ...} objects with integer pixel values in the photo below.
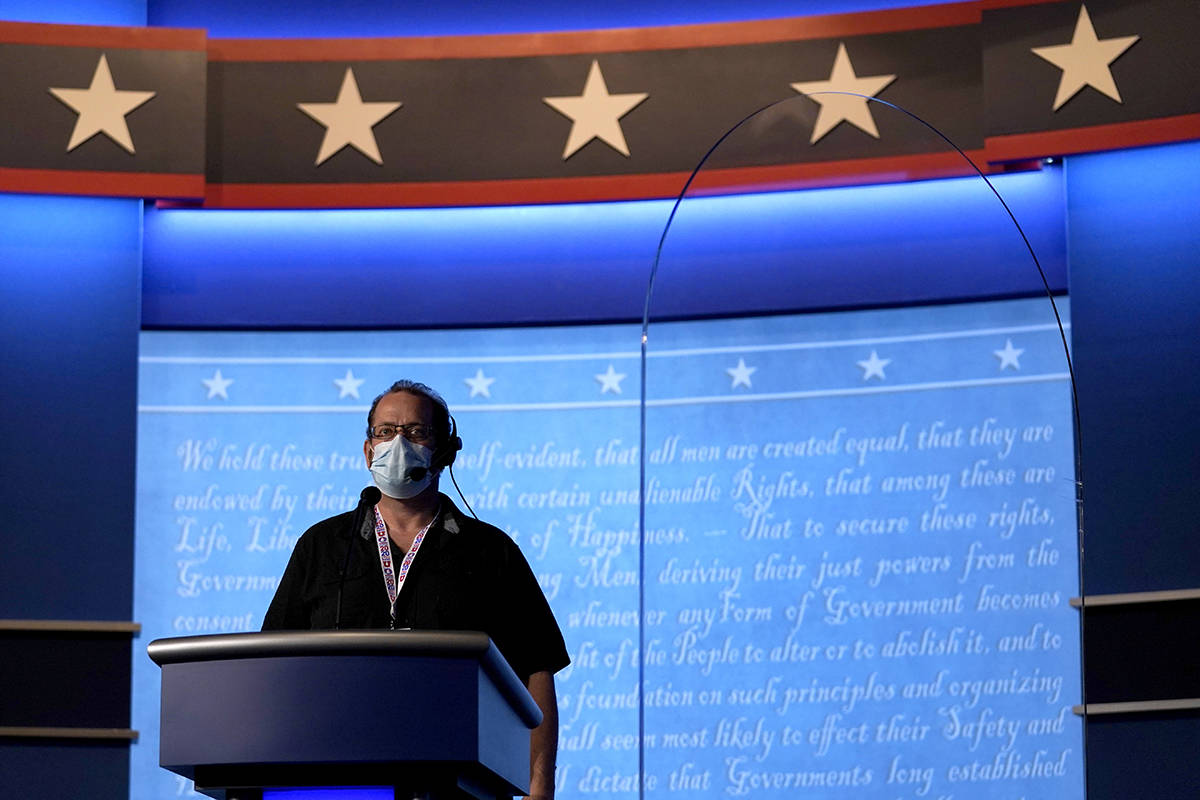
[{"x": 859, "y": 533}]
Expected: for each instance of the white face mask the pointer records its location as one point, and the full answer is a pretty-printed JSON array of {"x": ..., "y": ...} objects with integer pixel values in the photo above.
[{"x": 396, "y": 465}]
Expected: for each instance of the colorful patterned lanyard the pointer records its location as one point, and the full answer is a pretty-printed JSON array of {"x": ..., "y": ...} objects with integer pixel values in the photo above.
[{"x": 393, "y": 581}]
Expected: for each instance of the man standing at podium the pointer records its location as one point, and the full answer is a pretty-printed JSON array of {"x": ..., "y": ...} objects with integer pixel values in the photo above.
[{"x": 413, "y": 560}]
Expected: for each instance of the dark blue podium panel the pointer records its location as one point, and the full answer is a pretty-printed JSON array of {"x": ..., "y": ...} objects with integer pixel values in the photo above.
[{"x": 295, "y": 709}]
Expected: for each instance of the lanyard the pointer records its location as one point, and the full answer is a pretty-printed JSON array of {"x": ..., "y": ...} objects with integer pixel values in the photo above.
[{"x": 392, "y": 579}]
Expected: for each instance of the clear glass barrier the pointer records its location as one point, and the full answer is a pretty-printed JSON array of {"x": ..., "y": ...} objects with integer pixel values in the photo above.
[{"x": 859, "y": 529}]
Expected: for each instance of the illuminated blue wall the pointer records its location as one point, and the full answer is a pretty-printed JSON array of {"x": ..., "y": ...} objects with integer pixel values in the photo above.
[
  {"x": 70, "y": 269},
  {"x": 77, "y": 12},
  {"x": 69, "y": 308},
  {"x": 1135, "y": 290},
  {"x": 465, "y": 17},
  {"x": 589, "y": 263},
  {"x": 1135, "y": 281}
]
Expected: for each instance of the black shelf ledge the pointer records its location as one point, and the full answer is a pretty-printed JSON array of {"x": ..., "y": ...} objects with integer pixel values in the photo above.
[
  {"x": 1137, "y": 707},
  {"x": 34, "y": 732},
  {"x": 70, "y": 626},
  {"x": 1134, "y": 598}
]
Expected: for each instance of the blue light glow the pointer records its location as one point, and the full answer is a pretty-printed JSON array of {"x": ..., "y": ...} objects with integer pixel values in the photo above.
[
  {"x": 590, "y": 262},
  {"x": 331, "y": 793},
  {"x": 70, "y": 269},
  {"x": 304, "y": 18},
  {"x": 76, "y": 12}
]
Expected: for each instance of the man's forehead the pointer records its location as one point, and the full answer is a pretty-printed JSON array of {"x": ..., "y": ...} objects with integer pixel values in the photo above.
[{"x": 403, "y": 402}]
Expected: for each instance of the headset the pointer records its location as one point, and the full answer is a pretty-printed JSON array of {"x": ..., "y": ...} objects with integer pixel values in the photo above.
[
  {"x": 443, "y": 458},
  {"x": 445, "y": 453}
]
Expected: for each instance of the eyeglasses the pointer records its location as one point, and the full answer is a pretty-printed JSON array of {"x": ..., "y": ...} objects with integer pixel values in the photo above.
[{"x": 413, "y": 431}]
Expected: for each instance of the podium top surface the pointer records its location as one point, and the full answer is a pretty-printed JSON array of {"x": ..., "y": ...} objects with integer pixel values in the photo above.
[{"x": 415, "y": 644}]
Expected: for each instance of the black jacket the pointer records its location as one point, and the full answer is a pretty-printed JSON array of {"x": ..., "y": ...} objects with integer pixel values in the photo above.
[{"x": 467, "y": 575}]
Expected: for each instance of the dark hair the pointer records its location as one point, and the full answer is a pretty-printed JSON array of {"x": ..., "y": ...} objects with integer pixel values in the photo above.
[{"x": 441, "y": 412}]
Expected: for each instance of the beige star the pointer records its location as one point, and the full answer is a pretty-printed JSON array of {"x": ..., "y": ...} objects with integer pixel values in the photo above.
[
  {"x": 843, "y": 97},
  {"x": 348, "y": 121},
  {"x": 1084, "y": 62},
  {"x": 596, "y": 114},
  {"x": 102, "y": 108}
]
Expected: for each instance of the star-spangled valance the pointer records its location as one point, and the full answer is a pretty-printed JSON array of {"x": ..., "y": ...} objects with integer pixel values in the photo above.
[{"x": 602, "y": 115}]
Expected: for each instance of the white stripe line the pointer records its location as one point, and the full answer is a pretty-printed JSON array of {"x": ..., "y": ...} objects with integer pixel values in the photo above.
[
  {"x": 865, "y": 390},
  {"x": 630, "y": 403},
  {"x": 544, "y": 357},
  {"x": 151, "y": 409},
  {"x": 916, "y": 337},
  {"x": 384, "y": 360},
  {"x": 363, "y": 409}
]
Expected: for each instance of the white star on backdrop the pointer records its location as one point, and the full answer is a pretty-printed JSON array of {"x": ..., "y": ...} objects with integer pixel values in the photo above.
[
  {"x": 218, "y": 385},
  {"x": 741, "y": 374},
  {"x": 348, "y": 386},
  {"x": 1084, "y": 62},
  {"x": 1009, "y": 356},
  {"x": 102, "y": 108},
  {"x": 610, "y": 381},
  {"x": 836, "y": 108},
  {"x": 595, "y": 114},
  {"x": 873, "y": 366},
  {"x": 348, "y": 121},
  {"x": 479, "y": 384}
]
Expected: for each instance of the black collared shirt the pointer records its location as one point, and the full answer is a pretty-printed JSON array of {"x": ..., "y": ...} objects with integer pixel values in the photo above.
[{"x": 467, "y": 576}]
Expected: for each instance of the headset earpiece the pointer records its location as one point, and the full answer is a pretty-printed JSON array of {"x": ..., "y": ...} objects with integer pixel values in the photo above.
[{"x": 445, "y": 454}]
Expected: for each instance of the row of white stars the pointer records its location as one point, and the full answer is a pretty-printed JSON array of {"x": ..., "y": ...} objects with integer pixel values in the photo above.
[
  {"x": 873, "y": 367},
  {"x": 479, "y": 385},
  {"x": 349, "y": 121}
]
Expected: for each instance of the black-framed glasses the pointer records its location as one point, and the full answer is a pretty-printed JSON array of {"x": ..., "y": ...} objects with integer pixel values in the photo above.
[{"x": 413, "y": 431}]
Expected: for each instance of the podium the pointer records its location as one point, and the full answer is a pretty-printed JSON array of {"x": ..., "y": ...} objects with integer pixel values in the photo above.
[{"x": 433, "y": 714}]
